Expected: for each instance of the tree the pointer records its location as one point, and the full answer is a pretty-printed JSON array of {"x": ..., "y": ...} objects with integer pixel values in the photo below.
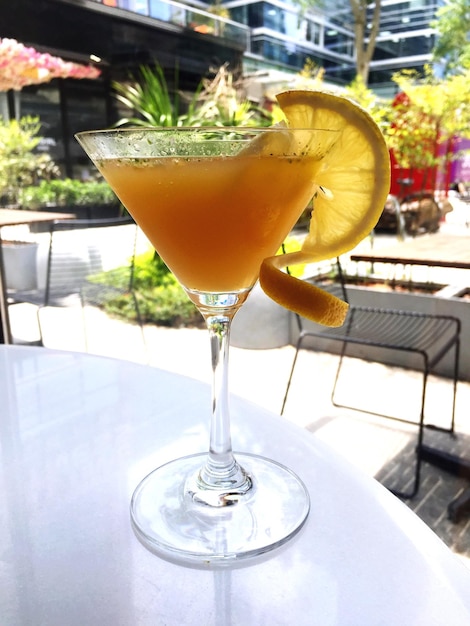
[
  {"x": 452, "y": 25},
  {"x": 430, "y": 112},
  {"x": 365, "y": 30},
  {"x": 365, "y": 34}
]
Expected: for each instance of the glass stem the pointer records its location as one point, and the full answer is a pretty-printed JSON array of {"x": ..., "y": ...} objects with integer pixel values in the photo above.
[{"x": 221, "y": 472}]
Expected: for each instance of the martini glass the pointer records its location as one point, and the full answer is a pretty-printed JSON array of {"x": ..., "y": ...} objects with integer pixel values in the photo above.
[{"x": 214, "y": 202}]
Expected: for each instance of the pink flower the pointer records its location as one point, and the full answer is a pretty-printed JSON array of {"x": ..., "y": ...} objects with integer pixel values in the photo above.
[{"x": 21, "y": 65}]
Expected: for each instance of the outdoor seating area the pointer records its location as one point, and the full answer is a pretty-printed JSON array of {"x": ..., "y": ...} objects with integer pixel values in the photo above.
[
  {"x": 234, "y": 313},
  {"x": 65, "y": 263},
  {"x": 428, "y": 337},
  {"x": 379, "y": 448}
]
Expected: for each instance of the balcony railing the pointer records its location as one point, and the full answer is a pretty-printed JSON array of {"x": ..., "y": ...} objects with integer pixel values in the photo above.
[{"x": 182, "y": 15}]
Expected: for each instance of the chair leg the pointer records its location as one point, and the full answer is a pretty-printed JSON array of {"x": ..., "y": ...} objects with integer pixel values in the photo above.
[
  {"x": 419, "y": 447},
  {"x": 141, "y": 324},
  {"x": 340, "y": 363},
  {"x": 38, "y": 317},
  {"x": 85, "y": 334},
  {"x": 420, "y": 433},
  {"x": 421, "y": 427},
  {"x": 455, "y": 380},
  {"x": 297, "y": 348},
  {"x": 417, "y": 479}
]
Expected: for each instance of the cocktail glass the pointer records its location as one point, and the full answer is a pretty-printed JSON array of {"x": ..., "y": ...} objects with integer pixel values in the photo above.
[{"x": 214, "y": 203}]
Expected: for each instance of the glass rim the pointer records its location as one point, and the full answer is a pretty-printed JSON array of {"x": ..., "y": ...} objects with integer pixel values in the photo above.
[{"x": 209, "y": 129}]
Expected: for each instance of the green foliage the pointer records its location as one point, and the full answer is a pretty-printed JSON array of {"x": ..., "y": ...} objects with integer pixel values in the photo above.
[
  {"x": 221, "y": 102},
  {"x": 412, "y": 136},
  {"x": 310, "y": 5},
  {"x": 161, "y": 299},
  {"x": 150, "y": 271},
  {"x": 168, "y": 305},
  {"x": 432, "y": 110},
  {"x": 66, "y": 192},
  {"x": 218, "y": 9},
  {"x": 19, "y": 164},
  {"x": 216, "y": 102},
  {"x": 452, "y": 25},
  {"x": 292, "y": 244},
  {"x": 447, "y": 100},
  {"x": 378, "y": 108},
  {"x": 149, "y": 97}
]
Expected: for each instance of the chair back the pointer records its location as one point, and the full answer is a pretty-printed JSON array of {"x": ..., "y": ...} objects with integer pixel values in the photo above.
[
  {"x": 328, "y": 276},
  {"x": 82, "y": 248}
]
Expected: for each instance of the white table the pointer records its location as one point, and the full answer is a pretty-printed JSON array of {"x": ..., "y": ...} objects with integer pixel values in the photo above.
[{"x": 78, "y": 432}]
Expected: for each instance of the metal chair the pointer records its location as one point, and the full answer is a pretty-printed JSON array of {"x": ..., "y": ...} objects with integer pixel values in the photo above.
[
  {"x": 80, "y": 253},
  {"x": 430, "y": 337}
]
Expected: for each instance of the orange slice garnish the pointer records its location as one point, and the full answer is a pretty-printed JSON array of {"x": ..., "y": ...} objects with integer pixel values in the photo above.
[{"x": 352, "y": 182}]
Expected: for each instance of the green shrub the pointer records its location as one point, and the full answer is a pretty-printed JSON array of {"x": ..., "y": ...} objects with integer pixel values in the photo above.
[
  {"x": 292, "y": 244},
  {"x": 168, "y": 305},
  {"x": 20, "y": 164},
  {"x": 150, "y": 271},
  {"x": 67, "y": 192},
  {"x": 161, "y": 298}
]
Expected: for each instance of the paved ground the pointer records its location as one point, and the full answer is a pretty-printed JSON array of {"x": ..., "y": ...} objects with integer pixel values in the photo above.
[{"x": 380, "y": 447}]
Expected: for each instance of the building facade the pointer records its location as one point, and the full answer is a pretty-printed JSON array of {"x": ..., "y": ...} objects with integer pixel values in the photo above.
[
  {"x": 255, "y": 37},
  {"x": 186, "y": 44},
  {"x": 282, "y": 37}
]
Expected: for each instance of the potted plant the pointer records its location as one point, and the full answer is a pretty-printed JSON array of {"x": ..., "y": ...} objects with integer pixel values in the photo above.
[
  {"x": 19, "y": 264},
  {"x": 85, "y": 199}
]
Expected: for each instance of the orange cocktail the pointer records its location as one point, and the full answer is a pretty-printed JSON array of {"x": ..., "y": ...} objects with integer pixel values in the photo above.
[
  {"x": 214, "y": 202},
  {"x": 213, "y": 219}
]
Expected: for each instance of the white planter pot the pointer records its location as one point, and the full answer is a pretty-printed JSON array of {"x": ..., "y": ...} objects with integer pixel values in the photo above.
[
  {"x": 19, "y": 262},
  {"x": 260, "y": 324}
]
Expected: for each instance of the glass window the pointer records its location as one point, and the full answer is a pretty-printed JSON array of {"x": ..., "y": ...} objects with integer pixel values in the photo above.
[
  {"x": 292, "y": 25},
  {"x": 85, "y": 106},
  {"x": 137, "y": 6},
  {"x": 86, "y": 110},
  {"x": 240, "y": 14},
  {"x": 404, "y": 47},
  {"x": 166, "y": 12},
  {"x": 273, "y": 18},
  {"x": 338, "y": 42},
  {"x": 43, "y": 101},
  {"x": 312, "y": 32}
]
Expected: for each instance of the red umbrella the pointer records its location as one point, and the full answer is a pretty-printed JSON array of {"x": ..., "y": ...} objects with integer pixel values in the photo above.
[{"x": 21, "y": 65}]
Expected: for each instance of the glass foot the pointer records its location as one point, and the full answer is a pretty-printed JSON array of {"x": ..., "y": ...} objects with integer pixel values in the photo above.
[{"x": 171, "y": 524}]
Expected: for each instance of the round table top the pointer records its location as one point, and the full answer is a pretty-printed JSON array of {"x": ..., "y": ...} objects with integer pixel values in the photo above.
[{"x": 77, "y": 434}]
